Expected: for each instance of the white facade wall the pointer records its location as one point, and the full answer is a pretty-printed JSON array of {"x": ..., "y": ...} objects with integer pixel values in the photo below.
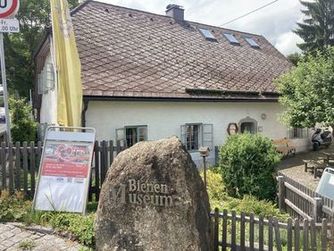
[{"x": 164, "y": 119}]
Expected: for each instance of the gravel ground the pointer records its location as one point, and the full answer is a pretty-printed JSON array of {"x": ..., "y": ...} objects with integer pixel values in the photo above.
[{"x": 293, "y": 167}]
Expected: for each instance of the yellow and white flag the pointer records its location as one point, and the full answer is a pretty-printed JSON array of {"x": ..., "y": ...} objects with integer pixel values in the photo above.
[{"x": 67, "y": 65}]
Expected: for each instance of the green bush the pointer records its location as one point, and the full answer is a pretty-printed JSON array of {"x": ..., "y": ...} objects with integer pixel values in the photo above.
[
  {"x": 23, "y": 126},
  {"x": 248, "y": 204},
  {"x": 247, "y": 165}
]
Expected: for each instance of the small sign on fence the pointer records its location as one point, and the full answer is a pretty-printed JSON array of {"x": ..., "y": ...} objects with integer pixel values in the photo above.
[{"x": 65, "y": 168}]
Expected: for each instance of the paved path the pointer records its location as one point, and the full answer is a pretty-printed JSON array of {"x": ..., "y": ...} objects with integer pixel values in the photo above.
[
  {"x": 293, "y": 167},
  {"x": 14, "y": 234}
]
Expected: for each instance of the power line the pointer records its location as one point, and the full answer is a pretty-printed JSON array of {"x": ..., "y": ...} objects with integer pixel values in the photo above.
[{"x": 235, "y": 19}]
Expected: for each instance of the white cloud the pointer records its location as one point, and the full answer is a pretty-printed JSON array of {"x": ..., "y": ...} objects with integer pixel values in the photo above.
[
  {"x": 275, "y": 22},
  {"x": 287, "y": 43}
]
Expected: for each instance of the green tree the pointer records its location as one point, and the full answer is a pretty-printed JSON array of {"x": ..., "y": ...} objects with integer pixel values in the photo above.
[
  {"x": 317, "y": 30},
  {"x": 294, "y": 58},
  {"x": 307, "y": 91},
  {"x": 34, "y": 17},
  {"x": 23, "y": 126},
  {"x": 247, "y": 164}
]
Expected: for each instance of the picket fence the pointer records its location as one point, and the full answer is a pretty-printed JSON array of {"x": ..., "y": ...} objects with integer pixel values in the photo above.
[
  {"x": 19, "y": 165},
  {"x": 302, "y": 202},
  {"x": 240, "y": 232}
]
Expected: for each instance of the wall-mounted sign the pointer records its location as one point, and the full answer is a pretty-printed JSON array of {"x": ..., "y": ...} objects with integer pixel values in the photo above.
[
  {"x": 232, "y": 128},
  {"x": 65, "y": 170},
  {"x": 9, "y": 8}
]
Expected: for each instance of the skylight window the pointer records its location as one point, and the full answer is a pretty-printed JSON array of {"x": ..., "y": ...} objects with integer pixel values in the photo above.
[
  {"x": 231, "y": 38},
  {"x": 252, "y": 42},
  {"x": 207, "y": 34}
]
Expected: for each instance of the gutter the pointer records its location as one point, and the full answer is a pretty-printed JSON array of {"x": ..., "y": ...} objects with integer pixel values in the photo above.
[{"x": 170, "y": 99}]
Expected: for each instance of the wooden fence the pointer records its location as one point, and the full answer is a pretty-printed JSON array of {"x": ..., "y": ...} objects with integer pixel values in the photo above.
[
  {"x": 240, "y": 232},
  {"x": 300, "y": 201},
  {"x": 19, "y": 165}
]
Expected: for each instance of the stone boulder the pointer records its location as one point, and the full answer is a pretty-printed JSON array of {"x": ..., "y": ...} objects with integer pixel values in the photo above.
[{"x": 153, "y": 199}]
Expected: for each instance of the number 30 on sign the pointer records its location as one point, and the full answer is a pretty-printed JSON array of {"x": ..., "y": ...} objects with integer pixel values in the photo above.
[{"x": 8, "y": 8}]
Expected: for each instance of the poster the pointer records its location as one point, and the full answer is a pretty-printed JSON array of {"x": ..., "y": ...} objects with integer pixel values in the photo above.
[{"x": 64, "y": 176}]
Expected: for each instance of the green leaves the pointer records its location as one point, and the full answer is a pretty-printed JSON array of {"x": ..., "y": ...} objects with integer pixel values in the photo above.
[
  {"x": 307, "y": 91},
  {"x": 23, "y": 126},
  {"x": 34, "y": 17},
  {"x": 247, "y": 165}
]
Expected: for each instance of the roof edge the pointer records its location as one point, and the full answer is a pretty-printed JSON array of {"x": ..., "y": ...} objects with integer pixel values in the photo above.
[
  {"x": 80, "y": 6},
  {"x": 189, "y": 21},
  {"x": 169, "y": 99}
]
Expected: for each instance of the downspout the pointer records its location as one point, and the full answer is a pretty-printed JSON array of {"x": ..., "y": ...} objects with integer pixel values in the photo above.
[{"x": 83, "y": 114}]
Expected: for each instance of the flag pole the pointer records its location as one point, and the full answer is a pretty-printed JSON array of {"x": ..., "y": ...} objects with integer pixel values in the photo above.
[{"x": 4, "y": 85}]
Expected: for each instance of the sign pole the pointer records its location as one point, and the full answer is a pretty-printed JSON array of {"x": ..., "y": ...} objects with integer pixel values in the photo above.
[{"x": 4, "y": 85}]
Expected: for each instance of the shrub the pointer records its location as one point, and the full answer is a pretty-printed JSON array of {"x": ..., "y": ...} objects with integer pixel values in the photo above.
[
  {"x": 23, "y": 126},
  {"x": 247, "y": 165},
  {"x": 13, "y": 208},
  {"x": 248, "y": 204}
]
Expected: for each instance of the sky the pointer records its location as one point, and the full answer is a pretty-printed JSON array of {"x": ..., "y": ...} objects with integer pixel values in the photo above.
[{"x": 276, "y": 22}]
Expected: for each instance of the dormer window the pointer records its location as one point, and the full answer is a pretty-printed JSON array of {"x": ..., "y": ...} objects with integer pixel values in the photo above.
[
  {"x": 252, "y": 42},
  {"x": 207, "y": 34},
  {"x": 231, "y": 38}
]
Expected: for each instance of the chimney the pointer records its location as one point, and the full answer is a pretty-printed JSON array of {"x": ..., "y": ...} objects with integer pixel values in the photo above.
[{"x": 175, "y": 11}]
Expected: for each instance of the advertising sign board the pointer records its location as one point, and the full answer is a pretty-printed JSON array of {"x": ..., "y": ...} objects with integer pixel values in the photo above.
[{"x": 64, "y": 172}]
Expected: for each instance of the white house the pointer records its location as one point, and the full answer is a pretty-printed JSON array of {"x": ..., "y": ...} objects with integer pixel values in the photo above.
[{"x": 147, "y": 76}]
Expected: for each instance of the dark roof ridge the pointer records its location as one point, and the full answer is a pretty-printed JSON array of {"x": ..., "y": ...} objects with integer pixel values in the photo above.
[{"x": 160, "y": 15}]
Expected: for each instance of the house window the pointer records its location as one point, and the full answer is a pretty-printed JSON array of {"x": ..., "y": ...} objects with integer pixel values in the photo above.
[
  {"x": 298, "y": 133},
  {"x": 46, "y": 79},
  {"x": 130, "y": 135},
  {"x": 248, "y": 125},
  {"x": 196, "y": 135}
]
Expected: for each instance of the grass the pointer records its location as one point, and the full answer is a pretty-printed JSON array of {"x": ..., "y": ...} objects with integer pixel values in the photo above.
[{"x": 27, "y": 245}]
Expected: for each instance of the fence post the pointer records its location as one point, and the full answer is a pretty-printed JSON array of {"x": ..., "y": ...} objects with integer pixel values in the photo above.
[
  {"x": 317, "y": 209},
  {"x": 216, "y": 230},
  {"x": 281, "y": 193}
]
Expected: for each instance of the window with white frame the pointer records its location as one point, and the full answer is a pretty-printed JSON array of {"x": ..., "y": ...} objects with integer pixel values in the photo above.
[
  {"x": 130, "y": 135},
  {"x": 298, "y": 133},
  {"x": 196, "y": 135}
]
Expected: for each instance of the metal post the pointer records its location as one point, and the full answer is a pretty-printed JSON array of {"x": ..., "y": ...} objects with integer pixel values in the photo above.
[
  {"x": 4, "y": 85},
  {"x": 204, "y": 163}
]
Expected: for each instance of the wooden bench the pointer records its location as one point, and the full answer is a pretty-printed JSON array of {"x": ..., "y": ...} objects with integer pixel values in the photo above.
[
  {"x": 316, "y": 166},
  {"x": 284, "y": 146}
]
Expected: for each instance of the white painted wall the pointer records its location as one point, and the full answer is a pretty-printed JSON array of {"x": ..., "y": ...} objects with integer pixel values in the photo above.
[{"x": 164, "y": 119}]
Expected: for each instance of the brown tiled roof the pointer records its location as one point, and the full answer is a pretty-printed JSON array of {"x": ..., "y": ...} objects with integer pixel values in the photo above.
[{"x": 131, "y": 53}]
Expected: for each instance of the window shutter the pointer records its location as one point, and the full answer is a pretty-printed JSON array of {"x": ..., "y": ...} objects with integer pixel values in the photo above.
[
  {"x": 207, "y": 135},
  {"x": 50, "y": 78},
  {"x": 184, "y": 134},
  {"x": 120, "y": 137},
  {"x": 142, "y": 133},
  {"x": 39, "y": 84}
]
